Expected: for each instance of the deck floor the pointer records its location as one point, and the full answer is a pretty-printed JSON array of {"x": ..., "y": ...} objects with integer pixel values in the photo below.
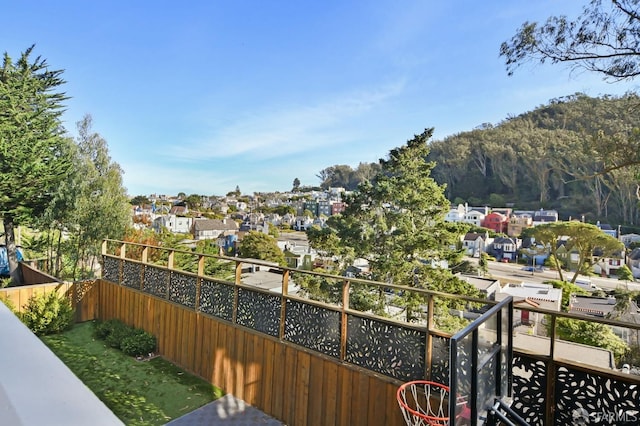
[{"x": 226, "y": 411}]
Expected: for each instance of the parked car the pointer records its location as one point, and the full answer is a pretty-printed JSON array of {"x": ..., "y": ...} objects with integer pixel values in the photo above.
[{"x": 533, "y": 268}]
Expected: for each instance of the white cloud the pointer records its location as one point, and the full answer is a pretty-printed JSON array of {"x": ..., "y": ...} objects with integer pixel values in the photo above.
[{"x": 286, "y": 131}]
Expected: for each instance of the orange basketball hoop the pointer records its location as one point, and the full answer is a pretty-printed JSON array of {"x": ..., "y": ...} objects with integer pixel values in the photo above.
[{"x": 424, "y": 403}]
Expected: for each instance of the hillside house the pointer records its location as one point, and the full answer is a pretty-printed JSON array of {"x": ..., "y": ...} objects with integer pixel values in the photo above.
[
  {"x": 475, "y": 243},
  {"x": 544, "y": 216},
  {"x": 518, "y": 223},
  {"x": 207, "y": 229},
  {"x": 173, "y": 223},
  {"x": 495, "y": 221},
  {"x": 504, "y": 249}
]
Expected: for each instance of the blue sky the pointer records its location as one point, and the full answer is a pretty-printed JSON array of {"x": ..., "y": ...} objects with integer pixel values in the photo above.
[{"x": 201, "y": 96}]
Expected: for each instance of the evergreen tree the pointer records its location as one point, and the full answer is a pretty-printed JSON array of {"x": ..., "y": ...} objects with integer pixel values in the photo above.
[
  {"x": 34, "y": 156},
  {"x": 396, "y": 222}
]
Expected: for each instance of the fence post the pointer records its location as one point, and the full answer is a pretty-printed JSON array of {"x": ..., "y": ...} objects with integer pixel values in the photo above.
[
  {"x": 429, "y": 352},
  {"x": 344, "y": 329}
]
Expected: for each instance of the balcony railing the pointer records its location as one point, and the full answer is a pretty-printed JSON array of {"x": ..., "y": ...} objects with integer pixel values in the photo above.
[{"x": 547, "y": 389}]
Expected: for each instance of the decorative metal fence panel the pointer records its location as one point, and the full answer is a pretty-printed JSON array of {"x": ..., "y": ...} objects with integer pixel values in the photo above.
[
  {"x": 182, "y": 289},
  {"x": 440, "y": 360},
  {"x": 131, "y": 274},
  {"x": 111, "y": 269},
  {"x": 388, "y": 349},
  {"x": 259, "y": 311},
  {"x": 155, "y": 281},
  {"x": 529, "y": 389},
  {"x": 587, "y": 398},
  {"x": 313, "y": 327},
  {"x": 216, "y": 299}
]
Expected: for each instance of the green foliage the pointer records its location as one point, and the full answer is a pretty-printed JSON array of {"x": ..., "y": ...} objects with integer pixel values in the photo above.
[
  {"x": 395, "y": 221},
  {"x": 624, "y": 273},
  {"x": 483, "y": 263},
  {"x": 132, "y": 341},
  {"x": 578, "y": 155},
  {"x": 48, "y": 313},
  {"x": 603, "y": 39},
  {"x": 589, "y": 333},
  {"x": 138, "y": 343},
  {"x": 567, "y": 290},
  {"x": 257, "y": 245},
  {"x": 35, "y": 156}
]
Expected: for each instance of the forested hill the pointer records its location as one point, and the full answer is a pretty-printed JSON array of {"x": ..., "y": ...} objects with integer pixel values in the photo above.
[{"x": 551, "y": 157}]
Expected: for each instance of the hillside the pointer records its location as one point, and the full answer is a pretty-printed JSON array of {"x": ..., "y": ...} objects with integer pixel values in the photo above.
[{"x": 566, "y": 155}]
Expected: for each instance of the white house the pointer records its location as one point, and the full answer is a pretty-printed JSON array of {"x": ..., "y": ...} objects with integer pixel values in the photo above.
[
  {"x": 530, "y": 295},
  {"x": 173, "y": 223}
]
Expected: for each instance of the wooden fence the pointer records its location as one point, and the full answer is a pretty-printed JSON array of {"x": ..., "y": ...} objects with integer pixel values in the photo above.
[
  {"x": 83, "y": 295},
  {"x": 292, "y": 384}
]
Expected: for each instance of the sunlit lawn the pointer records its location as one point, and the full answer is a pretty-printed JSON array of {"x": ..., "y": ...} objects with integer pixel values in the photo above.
[{"x": 139, "y": 392}]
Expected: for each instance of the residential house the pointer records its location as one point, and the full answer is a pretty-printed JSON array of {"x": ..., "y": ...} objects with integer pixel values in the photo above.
[
  {"x": 604, "y": 307},
  {"x": 495, "y": 221},
  {"x": 324, "y": 208},
  {"x": 528, "y": 295},
  {"x": 544, "y": 216},
  {"x": 628, "y": 239},
  {"x": 337, "y": 207},
  {"x": 302, "y": 223},
  {"x": 607, "y": 229},
  {"x": 173, "y": 223},
  {"x": 455, "y": 214},
  {"x": 473, "y": 217},
  {"x": 475, "y": 243},
  {"x": 518, "y": 223},
  {"x": 504, "y": 249},
  {"x": 608, "y": 265},
  {"x": 205, "y": 229},
  {"x": 486, "y": 286}
]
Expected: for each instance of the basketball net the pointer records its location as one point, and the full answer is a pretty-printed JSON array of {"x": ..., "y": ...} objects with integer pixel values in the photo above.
[{"x": 424, "y": 403}]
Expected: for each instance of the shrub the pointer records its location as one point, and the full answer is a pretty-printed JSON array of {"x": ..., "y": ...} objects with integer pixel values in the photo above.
[
  {"x": 48, "y": 314},
  {"x": 118, "y": 332},
  {"x": 138, "y": 343},
  {"x": 132, "y": 341}
]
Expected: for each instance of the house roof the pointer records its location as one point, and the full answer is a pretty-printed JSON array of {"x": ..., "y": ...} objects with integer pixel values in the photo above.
[
  {"x": 214, "y": 225},
  {"x": 593, "y": 306},
  {"x": 473, "y": 236}
]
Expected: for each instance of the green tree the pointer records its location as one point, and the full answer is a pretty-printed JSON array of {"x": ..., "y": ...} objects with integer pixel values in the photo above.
[
  {"x": 590, "y": 333},
  {"x": 396, "y": 222},
  {"x": 483, "y": 264},
  {"x": 139, "y": 200},
  {"x": 258, "y": 245},
  {"x": 102, "y": 207},
  {"x": 624, "y": 273},
  {"x": 582, "y": 237},
  {"x": 296, "y": 184},
  {"x": 194, "y": 201},
  {"x": 34, "y": 156},
  {"x": 604, "y": 39}
]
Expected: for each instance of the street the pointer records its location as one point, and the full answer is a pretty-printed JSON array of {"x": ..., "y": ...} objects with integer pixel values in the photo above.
[{"x": 512, "y": 271}]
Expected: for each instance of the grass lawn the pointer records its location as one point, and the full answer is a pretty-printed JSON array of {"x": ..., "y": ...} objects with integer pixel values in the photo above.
[{"x": 138, "y": 392}]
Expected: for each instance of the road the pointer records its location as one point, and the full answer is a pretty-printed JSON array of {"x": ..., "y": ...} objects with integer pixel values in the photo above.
[{"x": 512, "y": 271}]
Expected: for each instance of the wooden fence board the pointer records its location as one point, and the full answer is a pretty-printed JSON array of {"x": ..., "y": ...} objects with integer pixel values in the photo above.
[
  {"x": 278, "y": 384},
  {"x": 330, "y": 394},
  {"x": 302, "y": 388},
  {"x": 267, "y": 361}
]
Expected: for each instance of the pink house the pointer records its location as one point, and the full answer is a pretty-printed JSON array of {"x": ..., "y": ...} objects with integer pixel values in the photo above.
[{"x": 496, "y": 222}]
